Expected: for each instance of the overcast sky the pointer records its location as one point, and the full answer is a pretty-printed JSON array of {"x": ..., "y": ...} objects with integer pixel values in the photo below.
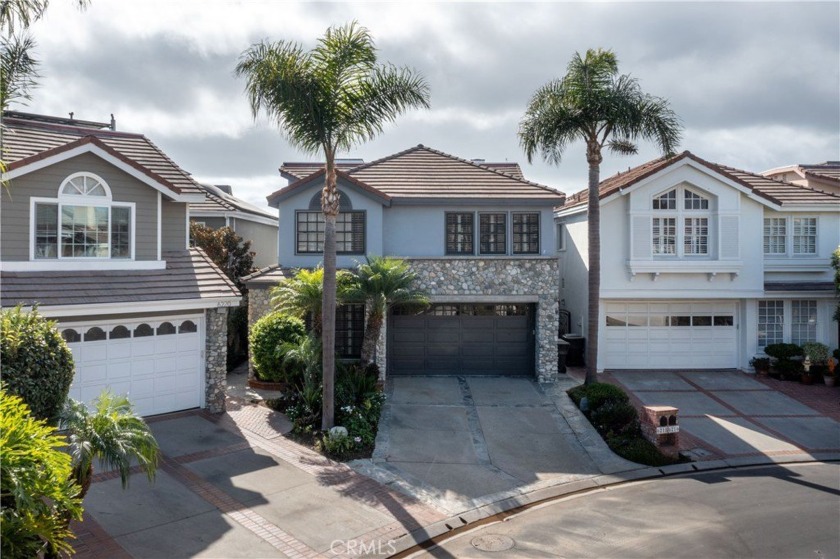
[{"x": 757, "y": 85}]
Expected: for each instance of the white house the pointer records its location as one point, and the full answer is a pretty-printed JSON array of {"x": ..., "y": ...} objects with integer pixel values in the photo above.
[{"x": 702, "y": 265}]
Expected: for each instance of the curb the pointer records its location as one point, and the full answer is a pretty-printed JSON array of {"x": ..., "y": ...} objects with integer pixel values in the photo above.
[{"x": 458, "y": 521}]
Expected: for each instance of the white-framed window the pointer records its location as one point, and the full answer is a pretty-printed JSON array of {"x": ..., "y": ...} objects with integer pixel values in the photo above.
[
  {"x": 771, "y": 320},
  {"x": 680, "y": 223},
  {"x": 804, "y": 235},
  {"x": 803, "y": 322},
  {"x": 775, "y": 235},
  {"x": 561, "y": 237},
  {"x": 82, "y": 222}
]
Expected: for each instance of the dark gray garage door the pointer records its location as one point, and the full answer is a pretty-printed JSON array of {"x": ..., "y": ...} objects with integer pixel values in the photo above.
[{"x": 463, "y": 339}]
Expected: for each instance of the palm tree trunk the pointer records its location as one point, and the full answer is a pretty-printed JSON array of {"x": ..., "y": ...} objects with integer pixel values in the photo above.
[
  {"x": 329, "y": 205},
  {"x": 594, "y": 283},
  {"x": 372, "y": 330}
]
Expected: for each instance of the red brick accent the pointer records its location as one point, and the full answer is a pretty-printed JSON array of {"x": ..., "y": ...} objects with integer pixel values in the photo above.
[
  {"x": 93, "y": 542},
  {"x": 824, "y": 399}
]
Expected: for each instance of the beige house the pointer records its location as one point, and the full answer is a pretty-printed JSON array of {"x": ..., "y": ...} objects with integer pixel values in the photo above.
[{"x": 821, "y": 176}]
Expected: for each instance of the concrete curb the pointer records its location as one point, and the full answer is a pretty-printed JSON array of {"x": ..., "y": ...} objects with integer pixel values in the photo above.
[{"x": 594, "y": 483}]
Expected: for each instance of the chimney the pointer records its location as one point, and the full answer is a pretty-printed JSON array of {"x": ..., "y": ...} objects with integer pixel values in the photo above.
[
  {"x": 113, "y": 123},
  {"x": 224, "y": 188}
]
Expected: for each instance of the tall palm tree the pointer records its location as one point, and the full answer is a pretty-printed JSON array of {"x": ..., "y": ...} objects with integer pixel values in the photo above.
[
  {"x": 18, "y": 70},
  {"x": 381, "y": 283},
  {"x": 111, "y": 433},
  {"x": 595, "y": 104},
  {"x": 328, "y": 99}
]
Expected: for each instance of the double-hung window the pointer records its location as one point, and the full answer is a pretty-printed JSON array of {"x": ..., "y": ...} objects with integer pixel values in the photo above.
[
  {"x": 771, "y": 319},
  {"x": 492, "y": 233},
  {"x": 789, "y": 235},
  {"x": 459, "y": 233},
  {"x": 82, "y": 222},
  {"x": 526, "y": 233},
  {"x": 804, "y": 235},
  {"x": 775, "y": 235},
  {"x": 349, "y": 232},
  {"x": 680, "y": 224},
  {"x": 803, "y": 322}
]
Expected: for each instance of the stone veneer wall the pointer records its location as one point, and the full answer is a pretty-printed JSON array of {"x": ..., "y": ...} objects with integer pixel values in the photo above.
[
  {"x": 500, "y": 280},
  {"x": 259, "y": 305},
  {"x": 216, "y": 364}
]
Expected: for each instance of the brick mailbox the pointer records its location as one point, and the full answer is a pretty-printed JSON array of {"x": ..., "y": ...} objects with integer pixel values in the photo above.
[{"x": 659, "y": 425}]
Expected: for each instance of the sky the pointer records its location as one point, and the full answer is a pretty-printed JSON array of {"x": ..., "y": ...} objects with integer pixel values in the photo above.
[{"x": 756, "y": 85}]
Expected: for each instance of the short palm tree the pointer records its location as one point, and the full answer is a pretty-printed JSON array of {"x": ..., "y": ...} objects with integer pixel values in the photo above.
[
  {"x": 381, "y": 283},
  {"x": 301, "y": 295},
  {"x": 331, "y": 98},
  {"x": 596, "y": 105},
  {"x": 112, "y": 433}
]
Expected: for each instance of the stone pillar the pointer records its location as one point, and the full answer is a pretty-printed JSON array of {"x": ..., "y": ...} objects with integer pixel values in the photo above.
[
  {"x": 216, "y": 359},
  {"x": 547, "y": 334},
  {"x": 259, "y": 305},
  {"x": 659, "y": 426}
]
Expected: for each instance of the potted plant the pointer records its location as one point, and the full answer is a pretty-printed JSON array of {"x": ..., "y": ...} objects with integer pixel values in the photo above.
[
  {"x": 761, "y": 365},
  {"x": 828, "y": 375},
  {"x": 786, "y": 364},
  {"x": 818, "y": 354}
]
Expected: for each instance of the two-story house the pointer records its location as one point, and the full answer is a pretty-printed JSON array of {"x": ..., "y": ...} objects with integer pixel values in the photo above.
[
  {"x": 94, "y": 230},
  {"x": 479, "y": 236},
  {"x": 702, "y": 265},
  {"x": 221, "y": 208}
]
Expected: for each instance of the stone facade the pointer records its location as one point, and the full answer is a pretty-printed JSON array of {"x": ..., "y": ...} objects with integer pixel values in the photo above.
[
  {"x": 500, "y": 280},
  {"x": 259, "y": 305},
  {"x": 216, "y": 362}
]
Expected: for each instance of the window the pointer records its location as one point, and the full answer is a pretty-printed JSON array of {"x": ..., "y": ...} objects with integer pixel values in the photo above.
[
  {"x": 804, "y": 235},
  {"x": 459, "y": 233},
  {"x": 492, "y": 233},
  {"x": 561, "y": 237},
  {"x": 349, "y": 330},
  {"x": 775, "y": 235},
  {"x": 526, "y": 233},
  {"x": 771, "y": 318},
  {"x": 82, "y": 222},
  {"x": 685, "y": 232},
  {"x": 349, "y": 232},
  {"x": 803, "y": 323}
]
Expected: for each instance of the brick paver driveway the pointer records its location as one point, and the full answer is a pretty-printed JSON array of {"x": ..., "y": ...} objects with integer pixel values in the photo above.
[{"x": 726, "y": 414}]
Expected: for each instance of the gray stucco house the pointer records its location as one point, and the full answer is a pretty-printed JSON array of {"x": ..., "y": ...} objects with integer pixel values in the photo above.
[
  {"x": 94, "y": 230},
  {"x": 221, "y": 208},
  {"x": 480, "y": 236}
]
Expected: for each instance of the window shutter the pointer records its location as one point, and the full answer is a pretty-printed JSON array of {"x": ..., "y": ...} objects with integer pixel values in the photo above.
[
  {"x": 641, "y": 237},
  {"x": 730, "y": 245}
]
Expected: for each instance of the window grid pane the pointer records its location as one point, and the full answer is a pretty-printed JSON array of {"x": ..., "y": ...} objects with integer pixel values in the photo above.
[
  {"x": 695, "y": 201},
  {"x": 459, "y": 233},
  {"x": 775, "y": 235},
  {"x": 667, "y": 201},
  {"x": 804, "y": 235},
  {"x": 349, "y": 233},
  {"x": 84, "y": 231},
  {"x": 771, "y": 318},
  {"x": 526, "y": 233},
  {"x": 492, "y": 233},
  {"x": 46, "y": 231},
  {"x": 120, "y": 232},
  {"x": 349, "y": 330},
  {"x": 696, "y": 235},
  {"x": 803, "y": 327},
  {"x": 664, "y": 235}
]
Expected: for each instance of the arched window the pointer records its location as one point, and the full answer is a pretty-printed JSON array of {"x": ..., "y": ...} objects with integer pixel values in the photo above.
[
  {"x": 119, "y": 333},
  {"x": 349, "y": 227},
  {"x": 165, "y": 329},
  {"x": 71, "y": 336},
  {"x": 187, "y": 327},
  {"x": 82, "y": 222},
  {"x": 94, "y": 334},
  {"x": 144, "y": 330},
  {"x": 680, "y": 224}
]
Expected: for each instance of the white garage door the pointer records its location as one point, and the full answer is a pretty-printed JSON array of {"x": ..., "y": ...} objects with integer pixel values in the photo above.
[
  {"x": 156, "y": 361},
  {"x": 684, "y": 335}
]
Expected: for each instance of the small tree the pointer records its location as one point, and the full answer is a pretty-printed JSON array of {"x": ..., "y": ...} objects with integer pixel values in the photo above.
[
  {"x": 38, "y": 496},
  {"x": 226, "y": 249},
  {"x": 35, "y": 361},
  {"x": 302, "y": 295},
  {"x": 835, "y": 263}
]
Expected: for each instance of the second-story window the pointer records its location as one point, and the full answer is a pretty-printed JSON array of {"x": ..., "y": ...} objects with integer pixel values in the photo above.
[
  {"x": 82, "y": 222},
  {"x": 526, "y": 233},
  {"x": 804, "y": 235},
  {"x": 349, "y": 232},
  {"x": 680, "y": 226},
  {"x": 459, "y": 233},
  {"x": 775, "y": 235},
  {"x": 492, "y": 238}
]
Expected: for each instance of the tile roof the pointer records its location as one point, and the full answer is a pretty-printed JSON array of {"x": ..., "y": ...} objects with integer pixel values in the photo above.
[
  {"x": 776, "y": 191},
  {"x": 218, "y": 200},
  {"x": 188, "y": 275},
  {"x": 268, "y": 275},
  {"x": 25, "y": 141},
  {"x": 829, "y": 170},
  {"x": 422, "y": 173},
  {"x": 294, "y": 171}
]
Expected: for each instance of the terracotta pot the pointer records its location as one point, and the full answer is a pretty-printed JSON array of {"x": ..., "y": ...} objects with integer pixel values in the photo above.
[
  {"x": 829, "y": 380},
  {"x": 806, "y": 379},
  {"x": 265, "y": 385}
]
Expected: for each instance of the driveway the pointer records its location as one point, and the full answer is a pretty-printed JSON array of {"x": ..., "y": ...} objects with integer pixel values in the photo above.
[
  {"x": 732, "y": 414},
  {"x": 459, "y": 442}
]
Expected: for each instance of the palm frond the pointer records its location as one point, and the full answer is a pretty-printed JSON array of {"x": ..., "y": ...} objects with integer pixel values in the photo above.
[{"x": 18, "y": 70}]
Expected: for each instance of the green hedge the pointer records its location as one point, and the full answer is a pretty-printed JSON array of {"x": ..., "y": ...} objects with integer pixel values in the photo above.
[
  {"x": 35, "y": 362},
  {"x": 266, "y": 339}
]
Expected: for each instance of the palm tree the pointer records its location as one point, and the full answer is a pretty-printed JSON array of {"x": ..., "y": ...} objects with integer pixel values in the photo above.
[
  {"x": 381, "y": 283},
  {"x": 325, "y": 100},
  {"x": 111, "y": 433},
  {"x": 595, "y": 104},
  {"x": 302, "y": 295},
  {"x": 18, "y": 70}
]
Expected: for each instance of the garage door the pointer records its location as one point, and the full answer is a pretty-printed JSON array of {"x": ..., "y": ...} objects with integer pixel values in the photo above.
[
  {"x": 157, "y": 362},
  {"x": 463, "y": 339},
  {"x": 674, "y": 335}
]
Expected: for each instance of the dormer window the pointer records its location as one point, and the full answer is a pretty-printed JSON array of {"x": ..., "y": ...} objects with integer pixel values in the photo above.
[
  {"x": 83, "y": 221},
  {"x": 680, "y": 229}
]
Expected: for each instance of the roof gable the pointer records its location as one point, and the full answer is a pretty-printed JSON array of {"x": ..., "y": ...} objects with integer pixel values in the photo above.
[{"x": 275, "y": 198}]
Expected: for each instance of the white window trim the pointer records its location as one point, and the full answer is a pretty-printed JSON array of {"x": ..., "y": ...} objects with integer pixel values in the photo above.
[
  {"x": 680, "y": 214},
  {"x": 816, "y": 252},
  {"x": 789, "y": 255},
  {"x": 62, "y": 201},
  {"x": 787, "y": 319},
  {"x": 786, "y": 237},
  {"x": 561, "y": 236}
]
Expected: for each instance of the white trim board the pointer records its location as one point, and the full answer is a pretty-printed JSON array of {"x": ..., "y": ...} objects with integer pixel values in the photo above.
[
  {"x": 55, "y": 311},
  {"x": 238, "y": 215},
  {"x": 71, "y": 265}
]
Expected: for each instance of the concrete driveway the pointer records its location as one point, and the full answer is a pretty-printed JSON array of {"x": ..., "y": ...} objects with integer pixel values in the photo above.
[
  {"x": 459, "y": 442},
  {"x": 725, "y": 414}
]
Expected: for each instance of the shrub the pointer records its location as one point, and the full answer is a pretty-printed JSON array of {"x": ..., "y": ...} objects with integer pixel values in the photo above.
[
  {"x": 816, "y": 351},
  {"x": 35, "y": 361},
  {"x": 39, "y": 497},
  {"x": 269, "y": 335},
  {"x": 354, "y": 383},
  {"x": 783, "y": 351},
  {"x": 598, "y": 394},
  {"x": 639, "y": 450},
  {"x": 337, "y": 446},
  {"x": 615, "y": 417}
]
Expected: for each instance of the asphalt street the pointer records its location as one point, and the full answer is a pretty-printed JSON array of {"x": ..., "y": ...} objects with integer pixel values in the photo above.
[{"x": 781, "y": 512}]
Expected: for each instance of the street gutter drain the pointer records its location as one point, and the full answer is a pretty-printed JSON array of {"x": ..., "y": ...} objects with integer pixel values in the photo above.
[{"x": 493, "y": 542}]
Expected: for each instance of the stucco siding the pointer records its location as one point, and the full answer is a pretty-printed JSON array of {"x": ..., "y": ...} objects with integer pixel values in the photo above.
[
  {"x": 174, "y": 226},
  {"x": 574, "y": 273},
  {"x": 263, "y": 240},
  {"x": 44, "y": 183},
  {"x": 212, "y": 222}
]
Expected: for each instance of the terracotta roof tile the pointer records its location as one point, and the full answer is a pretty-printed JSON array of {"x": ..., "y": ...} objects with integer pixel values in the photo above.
[
  {"x": 218, "y": 201},
  {"x": 268, "y": 275},
  {"x": 188, "y": 275}
]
